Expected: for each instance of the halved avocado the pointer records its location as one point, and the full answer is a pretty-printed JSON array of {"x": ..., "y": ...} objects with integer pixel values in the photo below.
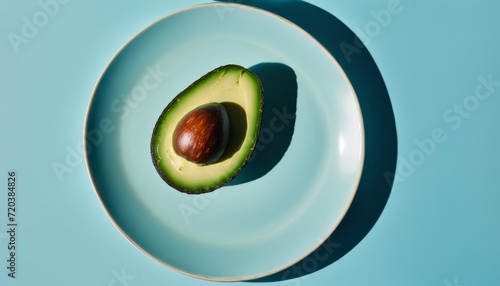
[{"x": 240, "y": 92}]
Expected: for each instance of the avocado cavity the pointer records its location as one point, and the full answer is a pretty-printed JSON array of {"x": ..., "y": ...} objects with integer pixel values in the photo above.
[{"x": 207, "y": 133}]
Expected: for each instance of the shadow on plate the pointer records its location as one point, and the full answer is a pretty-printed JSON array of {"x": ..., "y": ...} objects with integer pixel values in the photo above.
[
  {"x": 278, "y": 120},
  {"x": 380, "y": 131}
]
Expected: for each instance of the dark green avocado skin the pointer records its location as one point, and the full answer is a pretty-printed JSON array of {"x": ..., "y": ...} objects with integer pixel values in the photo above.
[{"x": 258, "y": 123}]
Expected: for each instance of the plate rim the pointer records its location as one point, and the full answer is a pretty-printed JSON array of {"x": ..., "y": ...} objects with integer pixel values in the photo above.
[{"x": 334, "y": 226}]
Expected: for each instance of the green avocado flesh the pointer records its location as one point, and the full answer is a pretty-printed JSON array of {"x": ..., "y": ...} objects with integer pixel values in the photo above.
[{"x": 240, "y": 92}]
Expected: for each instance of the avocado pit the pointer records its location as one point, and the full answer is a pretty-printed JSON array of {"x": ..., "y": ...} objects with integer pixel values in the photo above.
[{"x": 201, "y": 136}]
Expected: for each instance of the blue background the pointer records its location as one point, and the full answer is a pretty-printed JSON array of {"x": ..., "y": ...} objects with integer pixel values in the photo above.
[{"x": 440, "y": 225}]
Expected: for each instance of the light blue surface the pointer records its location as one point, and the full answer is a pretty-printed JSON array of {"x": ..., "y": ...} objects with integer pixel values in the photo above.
[{"x": 439, "y": 227}]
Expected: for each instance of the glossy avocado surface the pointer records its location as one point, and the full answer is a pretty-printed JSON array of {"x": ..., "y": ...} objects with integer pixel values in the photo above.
[{"x": 234, "y": 90}]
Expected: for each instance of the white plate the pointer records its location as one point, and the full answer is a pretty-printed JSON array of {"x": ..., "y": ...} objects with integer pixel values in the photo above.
[{"x": 286, "y": 202}]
